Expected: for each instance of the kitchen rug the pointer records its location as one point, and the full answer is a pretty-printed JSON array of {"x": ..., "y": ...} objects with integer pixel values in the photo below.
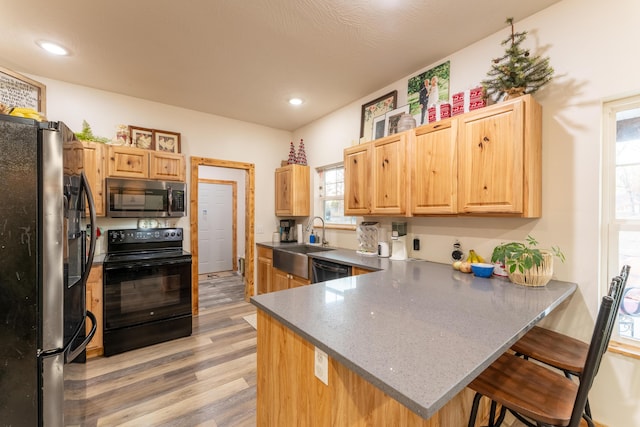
[{"x": 252, "y": 319}]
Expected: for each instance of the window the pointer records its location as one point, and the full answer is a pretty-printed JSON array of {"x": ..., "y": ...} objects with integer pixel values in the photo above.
[
  {"x": 621, "y": 209},
  {"x": 331, "y": 195}
]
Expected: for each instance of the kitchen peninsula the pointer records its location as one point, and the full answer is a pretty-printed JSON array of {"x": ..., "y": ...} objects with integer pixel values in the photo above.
[{"x": 402, "y": 343}]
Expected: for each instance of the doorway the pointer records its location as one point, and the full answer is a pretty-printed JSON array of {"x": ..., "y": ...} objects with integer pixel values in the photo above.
[
  {"x": 249, "y": 176},
  {"x": 217, "y": 225}
]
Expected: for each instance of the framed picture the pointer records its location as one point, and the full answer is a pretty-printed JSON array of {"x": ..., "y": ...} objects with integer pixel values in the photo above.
[
  {"x": 17, "y": 90},
  {"x": 377, "y": 130},
  {"x": 427, "y": 89},
  {"x": 168, "y": 142},
  {"x": 391, "y": 120},
  {"x": 373, "y": 109},
  {"x": 142, "y": 138}
]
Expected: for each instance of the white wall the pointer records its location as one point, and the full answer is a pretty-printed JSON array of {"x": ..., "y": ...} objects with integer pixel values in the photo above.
[
  {"x": 593, "y": 48},
  {"x": 202, "y": 135}
]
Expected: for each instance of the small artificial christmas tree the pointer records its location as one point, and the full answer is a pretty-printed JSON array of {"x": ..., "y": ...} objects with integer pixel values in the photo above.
[
  {"x": 516, "y": 72},
  {"x": 302, "y": 156},
  {"x": 292, "y": 154}
]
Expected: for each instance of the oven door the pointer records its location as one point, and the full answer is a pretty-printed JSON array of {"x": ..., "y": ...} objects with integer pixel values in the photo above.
[{"x": 141, "y": 292}]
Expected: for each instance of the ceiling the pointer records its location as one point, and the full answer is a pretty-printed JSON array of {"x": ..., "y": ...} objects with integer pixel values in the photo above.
[{"x": 244, "y": 59}]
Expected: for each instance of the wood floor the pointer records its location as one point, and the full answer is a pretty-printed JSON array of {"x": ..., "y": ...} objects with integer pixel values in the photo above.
[{"x": 207, "y": 379}]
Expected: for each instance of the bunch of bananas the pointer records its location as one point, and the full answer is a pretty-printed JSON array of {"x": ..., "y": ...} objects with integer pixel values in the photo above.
[
  {"x": 28, "y": 113},
  {"x": 474, "y": 257}
]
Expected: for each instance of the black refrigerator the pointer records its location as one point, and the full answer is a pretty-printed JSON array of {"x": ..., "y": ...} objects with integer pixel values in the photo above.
[{"x": 47, "y": 241}]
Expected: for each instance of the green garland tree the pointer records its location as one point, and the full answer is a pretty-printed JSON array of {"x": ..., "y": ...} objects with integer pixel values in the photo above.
[{"x": 516, "y": 72}]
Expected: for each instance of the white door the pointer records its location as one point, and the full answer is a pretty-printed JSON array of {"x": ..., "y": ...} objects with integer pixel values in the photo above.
[{"x": 215, "y": 228}]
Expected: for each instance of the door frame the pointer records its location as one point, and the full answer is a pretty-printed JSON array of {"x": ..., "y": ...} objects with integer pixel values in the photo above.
[
  {"x": 249, "y": 168},
  {"x": 234, "y": 218}
]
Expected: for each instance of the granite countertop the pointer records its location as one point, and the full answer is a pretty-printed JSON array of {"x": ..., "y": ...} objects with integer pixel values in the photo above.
[{"x": 417, "y": 330}]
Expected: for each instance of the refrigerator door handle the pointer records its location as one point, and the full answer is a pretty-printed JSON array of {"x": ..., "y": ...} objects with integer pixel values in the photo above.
[
  {"x": 84, "y": 184},
  {"x": 71, "y": 354}
]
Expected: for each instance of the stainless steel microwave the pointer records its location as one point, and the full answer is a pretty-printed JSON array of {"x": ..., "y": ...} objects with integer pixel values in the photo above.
[{"x": 143, "y": 198}]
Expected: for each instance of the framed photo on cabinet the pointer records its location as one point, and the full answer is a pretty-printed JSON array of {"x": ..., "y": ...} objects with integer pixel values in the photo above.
[
  {"x": 378, "y": 127},
  {"x": 391, "y": 120},
  {"x": 169, "y": 142},
  {"x": 373, "y": 109},
  {"x": 142, "y": 138}
]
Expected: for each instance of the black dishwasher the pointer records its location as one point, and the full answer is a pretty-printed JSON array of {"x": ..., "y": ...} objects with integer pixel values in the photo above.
[{"x": 326, "y": 270}]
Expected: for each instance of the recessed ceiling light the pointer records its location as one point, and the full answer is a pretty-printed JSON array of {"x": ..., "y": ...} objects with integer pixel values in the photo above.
[
  {"x": 53, "y": 48},
  {"x": 295, "y": 101}
]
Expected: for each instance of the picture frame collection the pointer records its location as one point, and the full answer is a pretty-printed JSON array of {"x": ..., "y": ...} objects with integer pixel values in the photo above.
[
  {"x": 155, "y": 140},
  {"x": 379, "y": 117}
]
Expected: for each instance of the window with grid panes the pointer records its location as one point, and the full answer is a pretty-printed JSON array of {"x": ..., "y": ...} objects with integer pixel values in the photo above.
[
  {"x": 331, "y": 195},
  {"x": 621, "y": 209}
]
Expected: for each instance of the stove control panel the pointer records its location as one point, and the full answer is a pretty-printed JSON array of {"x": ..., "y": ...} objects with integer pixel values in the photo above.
[{"x": 145, "y": 235}]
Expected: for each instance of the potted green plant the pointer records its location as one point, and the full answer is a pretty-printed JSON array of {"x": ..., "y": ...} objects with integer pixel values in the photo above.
[{"x": 524, "y": 263}]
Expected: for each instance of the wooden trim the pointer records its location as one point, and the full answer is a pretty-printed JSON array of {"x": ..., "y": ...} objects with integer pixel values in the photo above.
[
  {"x": 249, "y": 223},
  {"x": 625, "y": 349},
  {"x": 351, "y": 227},
  {"x": 234, "y": 212}
]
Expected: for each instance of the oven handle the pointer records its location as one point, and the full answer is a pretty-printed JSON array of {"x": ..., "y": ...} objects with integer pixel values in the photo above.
[
  {"x": 137, "y": 264},
  {"x": 84, "y": 184}
]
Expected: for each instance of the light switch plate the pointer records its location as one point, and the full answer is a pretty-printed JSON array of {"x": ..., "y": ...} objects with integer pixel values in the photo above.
[{"x": 322, "y": 366}]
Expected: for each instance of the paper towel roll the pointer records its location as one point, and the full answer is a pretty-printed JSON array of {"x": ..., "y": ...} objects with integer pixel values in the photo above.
[{"x": 299, "y": 233}]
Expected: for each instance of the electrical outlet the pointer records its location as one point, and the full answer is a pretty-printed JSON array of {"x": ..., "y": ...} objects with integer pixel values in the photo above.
[
  {"x": 259, "y": 229},
  {"x": 321, "y": 366}
]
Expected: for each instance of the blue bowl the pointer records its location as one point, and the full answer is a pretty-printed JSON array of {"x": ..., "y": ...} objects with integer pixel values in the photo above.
[{"x": 481, "y": 269}]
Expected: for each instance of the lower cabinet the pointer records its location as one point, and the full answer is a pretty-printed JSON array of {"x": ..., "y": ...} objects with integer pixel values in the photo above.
[
  {"x": 94, "y": 305},
  {"x": 281, "y": 280},
  {"x": 356, "y": 271},
  {"x": 265, "y": 262}
]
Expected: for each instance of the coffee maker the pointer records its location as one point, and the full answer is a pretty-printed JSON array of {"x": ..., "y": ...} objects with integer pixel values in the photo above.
[{"x": 288, "y": 230}]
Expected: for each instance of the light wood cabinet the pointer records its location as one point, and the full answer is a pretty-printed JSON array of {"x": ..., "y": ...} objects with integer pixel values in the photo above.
[
  {"x": 292, "y": 190},
  {"x": 87, "y": 157},
  {"x": 376, "y": 177},
  {"x": 167, "y": 166},
  {"x": 500, "y": 159},
  {"x": 389, "y": 175},
  {"x": 356, "y": 271},
  {"x": 265, "y": 262},
  {"x": 281, "y": 280},
  {"x": 433, "y": 158},
  {"x": 357, "y": 178},
  {"x": 127, "y": 162},
  {"x": 94, "y": 294},
  {"x": 485, "y": 162}
]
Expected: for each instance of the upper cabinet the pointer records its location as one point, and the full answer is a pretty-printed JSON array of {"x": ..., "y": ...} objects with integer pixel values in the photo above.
[
  {"x": 434, "y": 169},
  {"x": 375, "y": 177},
  {"x": 357, "y": 178},
  {"x": 292, "y": 190},
  {"x": 500, "y": 159},
  {"x": 88, "y": 157},
  {"x": 126, "y": 162},
  {"x": 486, "y": 162},
  {"x": 389, "y": 194}
]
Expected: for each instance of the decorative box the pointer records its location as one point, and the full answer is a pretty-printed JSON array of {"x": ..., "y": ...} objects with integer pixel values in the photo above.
[{"x": 439, "y": 112}]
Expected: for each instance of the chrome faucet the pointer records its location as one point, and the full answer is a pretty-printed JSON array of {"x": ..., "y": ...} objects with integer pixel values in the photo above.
[{"x": 310, "y": 224}]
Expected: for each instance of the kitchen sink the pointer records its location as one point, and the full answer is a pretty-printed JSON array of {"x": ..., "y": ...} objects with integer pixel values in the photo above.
[
  {"x": 305, "y": 249},
  {"x": 294, "y": 260}
]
